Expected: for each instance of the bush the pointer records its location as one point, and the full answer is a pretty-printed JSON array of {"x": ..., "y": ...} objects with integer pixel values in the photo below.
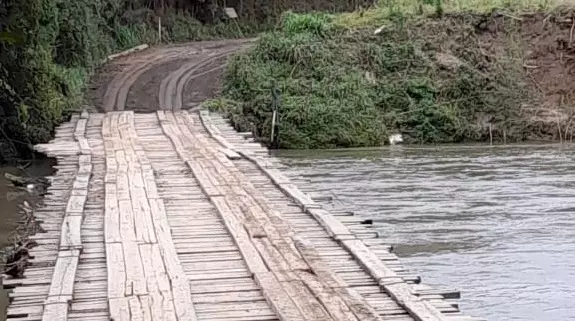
[{"x": 346, "y": 87}]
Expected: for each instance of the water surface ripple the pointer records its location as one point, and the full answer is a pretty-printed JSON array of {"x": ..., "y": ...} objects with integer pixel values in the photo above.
[{"x": 496, "y": 223}]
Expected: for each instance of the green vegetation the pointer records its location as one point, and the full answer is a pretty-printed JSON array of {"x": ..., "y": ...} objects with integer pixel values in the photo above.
[
  {"x": 434, "y": 73},
  {"x": 49, "y": 47}
]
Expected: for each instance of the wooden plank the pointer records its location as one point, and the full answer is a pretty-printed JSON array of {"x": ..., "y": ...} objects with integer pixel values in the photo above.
[
  {"x": 55, "y": 312},
  {"x": 84, "y": 146},
  {"x": 146, "y": 304},
  {"x": 135, "y": 279},
  {"x": 307, "y": 303},
  {"x": 143, "y": 217},
  {"x": 358, "y": 305},
  {"x": 116, "y": 270},
  {"x": 317, "y": 264},
  {"x": 80, "y": 129},
  {"x": 62, "y": 283},
  {"x": 279, "y": 299},
  {"x": 70, "y": 237},
  {"x": 391, "y": 283},
  {"x": 61, "y": 288},
  {"x": 76, "y": 205},
  {"x": 179, "y": 283},
  {"x": 119, "y": 309},
  {"x": 127, "y": 224},
  {"x": 334, "y": 304},
  {"x": 241, "y": 238},
  {"x": 369, "y": 261},
  {"x": 150, "y": 184},
  {"x": 136, "y": 308},
  {"x": 332, "y": 225},
  {"x": 111, "y": 217}
]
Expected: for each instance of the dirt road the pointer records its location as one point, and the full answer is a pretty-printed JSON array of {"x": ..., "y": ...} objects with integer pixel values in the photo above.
[{"x": 165, "y": 77}]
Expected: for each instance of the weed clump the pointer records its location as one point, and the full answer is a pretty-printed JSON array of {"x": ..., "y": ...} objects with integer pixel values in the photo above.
[{"x": 427, "y": 78}]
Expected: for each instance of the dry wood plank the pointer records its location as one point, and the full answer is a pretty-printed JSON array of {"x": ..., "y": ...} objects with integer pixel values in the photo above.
[
  {"x": 241, "y": 238},
  {"x": 278, "y": 297},
  {"x": 55, "y": 312},
  {"x": 136, "y": 308},
  {"x": 143, "y": 217},
  {"x": 127, "y": 224},
  {"x": 119, "y": 309},
  {"x": 180, "y": 287},
  {"x": 332, "y": 225},
  {"x": 317, "y": 264},
  {"x": 334, "y": 303},
  {"x": 76, "y": 205},
  {"x": 371, "y": 263},
  {"x": 80, "y": 129},
  {"x": 135, "y": 279},
  {"x": 112, "y": 216},
  {"x": 391, "y": 283},
  {"x": 306, "y": 302},
  {"x": 62, "y": 283},
  {"x": 116, "y": 270},
  {"x": 70, "y": 236}
]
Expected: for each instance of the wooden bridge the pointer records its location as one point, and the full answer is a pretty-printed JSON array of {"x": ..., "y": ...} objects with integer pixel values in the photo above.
[
  {"x": 174, "y": 216},
  {"x": 171, "y": 215}
]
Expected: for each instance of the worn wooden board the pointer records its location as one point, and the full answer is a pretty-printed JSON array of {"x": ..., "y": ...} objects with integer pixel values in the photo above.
[
  {"x": 278, "y": 297},
  {"x": 70, "y": 236}
]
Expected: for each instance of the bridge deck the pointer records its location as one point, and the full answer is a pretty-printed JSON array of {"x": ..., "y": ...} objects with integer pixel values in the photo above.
[{"x": 174, "y": 216}]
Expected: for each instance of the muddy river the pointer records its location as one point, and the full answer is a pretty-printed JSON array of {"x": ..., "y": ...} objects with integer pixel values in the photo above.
[
  {"x": 11, "y": 198},
  {"x": 497, "y": 223}
]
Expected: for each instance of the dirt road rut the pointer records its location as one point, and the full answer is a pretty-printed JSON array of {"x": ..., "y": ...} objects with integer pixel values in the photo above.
[{"x": 163, "y": 77}]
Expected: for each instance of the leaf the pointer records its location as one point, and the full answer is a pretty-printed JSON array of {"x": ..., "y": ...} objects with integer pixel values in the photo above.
[{"x": 10, "y": 37}]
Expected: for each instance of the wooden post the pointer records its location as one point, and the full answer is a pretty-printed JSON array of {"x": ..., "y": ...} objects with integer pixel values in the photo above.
[
  {"x": 275, "y": 107},
  {"x": 273, "y": 125},
  {"x": 159, "y": 30},
  {"x": 490, "y": 135}
]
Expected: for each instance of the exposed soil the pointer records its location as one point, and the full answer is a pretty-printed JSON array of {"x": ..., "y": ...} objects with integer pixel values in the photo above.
[
  {"x": 190, "y": 72},
  {"x": 550, "y": 59},
  {"x": 547, "y": 46}
]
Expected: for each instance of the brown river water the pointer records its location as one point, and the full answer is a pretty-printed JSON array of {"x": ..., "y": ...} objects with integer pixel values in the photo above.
[
  {"x": 497, "y": 223},
  {"x": 10, "y": 199}
]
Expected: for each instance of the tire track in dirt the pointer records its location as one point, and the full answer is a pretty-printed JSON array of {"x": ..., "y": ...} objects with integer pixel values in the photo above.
[
  {"x": 117, "y": 93},
  {"x": 196, "y": 59},
  {"x": 172, "y": 87}
]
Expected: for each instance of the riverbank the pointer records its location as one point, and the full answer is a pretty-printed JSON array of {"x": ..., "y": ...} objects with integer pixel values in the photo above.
[
  {"x": 435, "y": 74},
  {"x": 50, "y": 48}
]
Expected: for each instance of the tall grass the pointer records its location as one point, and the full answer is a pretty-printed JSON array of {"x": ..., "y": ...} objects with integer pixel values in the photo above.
[{"x": 387, "y": 9}]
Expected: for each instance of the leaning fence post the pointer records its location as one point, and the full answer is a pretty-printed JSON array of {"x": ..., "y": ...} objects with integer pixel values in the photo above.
[
  {"x": 275, "y": 108},
  {"x": 159, "y": 29}
]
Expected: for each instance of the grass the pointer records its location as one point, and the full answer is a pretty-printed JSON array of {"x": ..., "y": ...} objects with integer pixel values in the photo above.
[{"x": 390, "y": 8}]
